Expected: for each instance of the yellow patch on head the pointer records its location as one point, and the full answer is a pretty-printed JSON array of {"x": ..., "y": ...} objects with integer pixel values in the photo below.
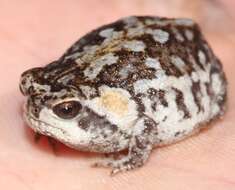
[{"x": 114, "y": 102}]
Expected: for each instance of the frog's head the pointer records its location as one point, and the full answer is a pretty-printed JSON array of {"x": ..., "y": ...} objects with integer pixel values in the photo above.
[{"x": 62, "y": 112}]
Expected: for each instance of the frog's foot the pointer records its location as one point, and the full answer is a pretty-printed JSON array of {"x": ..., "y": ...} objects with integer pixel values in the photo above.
[
  {"x": 37, "y": 137},
  {"x": 124, "y": 164},
  {"x": 140, "y": 147},
  {"x": 107, "y": 160},
  {"x": 51, "y": 142}
]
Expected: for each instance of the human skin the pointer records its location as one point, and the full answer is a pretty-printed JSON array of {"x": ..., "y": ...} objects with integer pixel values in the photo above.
[{"x": 34, "y": 33}]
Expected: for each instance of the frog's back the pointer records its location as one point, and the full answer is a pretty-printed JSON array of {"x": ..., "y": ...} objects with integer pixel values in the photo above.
[{"x": 165, "y": 65}]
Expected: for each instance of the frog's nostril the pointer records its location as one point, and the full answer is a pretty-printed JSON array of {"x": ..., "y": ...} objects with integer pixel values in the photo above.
[{"x": 28, "y": 78}]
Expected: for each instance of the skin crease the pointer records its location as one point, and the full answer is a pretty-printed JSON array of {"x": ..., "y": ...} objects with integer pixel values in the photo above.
[{"x": 29, "y": 38}]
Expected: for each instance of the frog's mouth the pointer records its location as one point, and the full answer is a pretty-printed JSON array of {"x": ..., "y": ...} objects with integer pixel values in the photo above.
[{"x": 42, "y": 127}]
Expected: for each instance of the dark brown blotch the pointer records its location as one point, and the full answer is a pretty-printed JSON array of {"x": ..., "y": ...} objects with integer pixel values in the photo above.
[
  {"x": 138, "y": 100},
  {"x": 150, "y": 125},
  {"x": 95, "y": 123},
  {"x": 197, "y": 94},
  {"x": 157, "y": 96},
  {"x": 180, "y": 103}
]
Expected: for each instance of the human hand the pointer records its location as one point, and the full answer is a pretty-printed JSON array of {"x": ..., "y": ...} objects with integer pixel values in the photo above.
[{"x": 34, "y": 33}]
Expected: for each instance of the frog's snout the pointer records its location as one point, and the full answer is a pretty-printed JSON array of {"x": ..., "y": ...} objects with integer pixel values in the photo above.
[{"x": 28, "y": 80}]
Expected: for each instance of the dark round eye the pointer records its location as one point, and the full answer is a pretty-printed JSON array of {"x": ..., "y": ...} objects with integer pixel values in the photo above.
[{"x": 67, "y": 110}]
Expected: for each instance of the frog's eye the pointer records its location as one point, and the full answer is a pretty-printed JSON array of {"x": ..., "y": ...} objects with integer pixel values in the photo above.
[{"x": 67, "y": 110}]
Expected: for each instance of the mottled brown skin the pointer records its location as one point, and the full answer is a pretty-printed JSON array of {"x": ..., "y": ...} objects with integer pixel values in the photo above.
[
  {"x": 77, "y": 61},
  {"x": 54, "y": 71}
]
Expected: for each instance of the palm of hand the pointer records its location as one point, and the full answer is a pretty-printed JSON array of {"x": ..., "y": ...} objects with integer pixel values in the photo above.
[{"x": 200, "y": 162}]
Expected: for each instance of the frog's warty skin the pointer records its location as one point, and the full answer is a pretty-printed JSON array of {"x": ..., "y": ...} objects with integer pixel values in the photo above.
[{"x": 141, "y": 82}]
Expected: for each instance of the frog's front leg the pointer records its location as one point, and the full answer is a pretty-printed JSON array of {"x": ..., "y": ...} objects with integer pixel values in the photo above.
[
  {"x": 51, "y": 141},
  {"x": 140, "y": 146}
]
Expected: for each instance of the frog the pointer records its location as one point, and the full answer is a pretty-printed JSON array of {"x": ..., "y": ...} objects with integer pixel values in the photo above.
[{"x": 135, "y": 84}]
